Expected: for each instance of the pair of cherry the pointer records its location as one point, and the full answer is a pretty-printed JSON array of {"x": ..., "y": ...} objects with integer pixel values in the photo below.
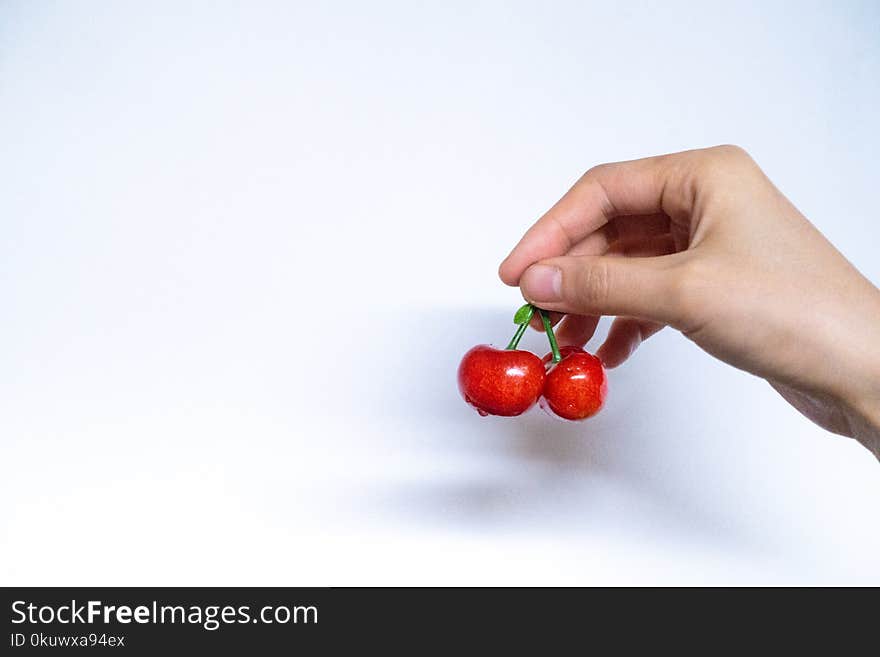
[{"x": 569, "y": 382}]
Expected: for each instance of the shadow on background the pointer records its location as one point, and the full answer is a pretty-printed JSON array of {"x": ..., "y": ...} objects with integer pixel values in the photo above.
[{"x": 628, "y": 469}]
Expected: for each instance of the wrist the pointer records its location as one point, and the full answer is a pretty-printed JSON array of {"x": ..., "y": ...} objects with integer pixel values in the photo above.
[
  {"x": 858, "y": 376},
  {"x": 860, "y": 400},
  {"x": 863, "y": 416}
]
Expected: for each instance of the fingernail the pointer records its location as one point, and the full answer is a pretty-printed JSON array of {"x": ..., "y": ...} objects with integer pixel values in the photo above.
[{"x": 542, "y": 283}]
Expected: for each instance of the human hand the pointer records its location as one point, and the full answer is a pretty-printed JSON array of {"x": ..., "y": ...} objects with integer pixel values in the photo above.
[{"x": 703, "y": 242}]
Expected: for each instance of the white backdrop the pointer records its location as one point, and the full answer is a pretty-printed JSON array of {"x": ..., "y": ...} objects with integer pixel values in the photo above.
[{"x": 244, "y": 246}]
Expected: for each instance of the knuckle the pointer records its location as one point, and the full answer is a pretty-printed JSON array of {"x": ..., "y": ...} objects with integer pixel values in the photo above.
[
  {"x": 721, "y": 160},
  {"x": 592, "y": 177},
  {"x": 731, "y": 153},
  {"x": 688, "y": 282},
  {"x": 593, "y": 285},
  {"x": 594, "y": 171}
]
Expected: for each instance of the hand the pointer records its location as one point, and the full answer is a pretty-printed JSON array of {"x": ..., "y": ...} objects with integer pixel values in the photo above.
[{"x": 703, "y": 242}]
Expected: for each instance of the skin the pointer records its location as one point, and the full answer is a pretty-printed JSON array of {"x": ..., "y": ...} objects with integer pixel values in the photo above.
[{"x": 703, "y": 242}]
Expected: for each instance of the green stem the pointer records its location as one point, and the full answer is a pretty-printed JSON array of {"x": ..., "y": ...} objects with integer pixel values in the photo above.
[
  {"x": 551, "y": 337},
  {"x": 514, "y": 341}
]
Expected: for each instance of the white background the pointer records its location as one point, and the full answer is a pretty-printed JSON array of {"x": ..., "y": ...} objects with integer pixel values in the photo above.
[{"x": 244, "y": 246}]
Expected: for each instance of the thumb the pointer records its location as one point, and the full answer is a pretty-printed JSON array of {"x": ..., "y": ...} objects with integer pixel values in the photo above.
[{"x": 646, "y": 288}]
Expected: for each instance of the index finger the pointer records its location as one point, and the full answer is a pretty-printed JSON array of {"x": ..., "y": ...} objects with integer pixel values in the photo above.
[{"x": 609, "y": 190}]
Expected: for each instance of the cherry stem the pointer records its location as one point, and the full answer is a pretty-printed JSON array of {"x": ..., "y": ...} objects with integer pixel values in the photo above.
[
  {"x": 514, "y": 341},
  {"x": 551, "y": 337}
]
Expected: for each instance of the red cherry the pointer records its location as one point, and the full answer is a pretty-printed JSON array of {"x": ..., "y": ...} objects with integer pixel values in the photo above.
[
  {"x": 576, "y": 386},
  {"x": 563, "y": 351},
  {"x": 500, "y": 381}
]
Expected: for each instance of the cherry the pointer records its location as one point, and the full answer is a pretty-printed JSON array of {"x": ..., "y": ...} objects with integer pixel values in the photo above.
[
  {"x": 500, "y": 381},
  {"x": 570, "y": 383},
  {"x": 576, "y": 386},
  {"x": 567, "y": 350}
]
